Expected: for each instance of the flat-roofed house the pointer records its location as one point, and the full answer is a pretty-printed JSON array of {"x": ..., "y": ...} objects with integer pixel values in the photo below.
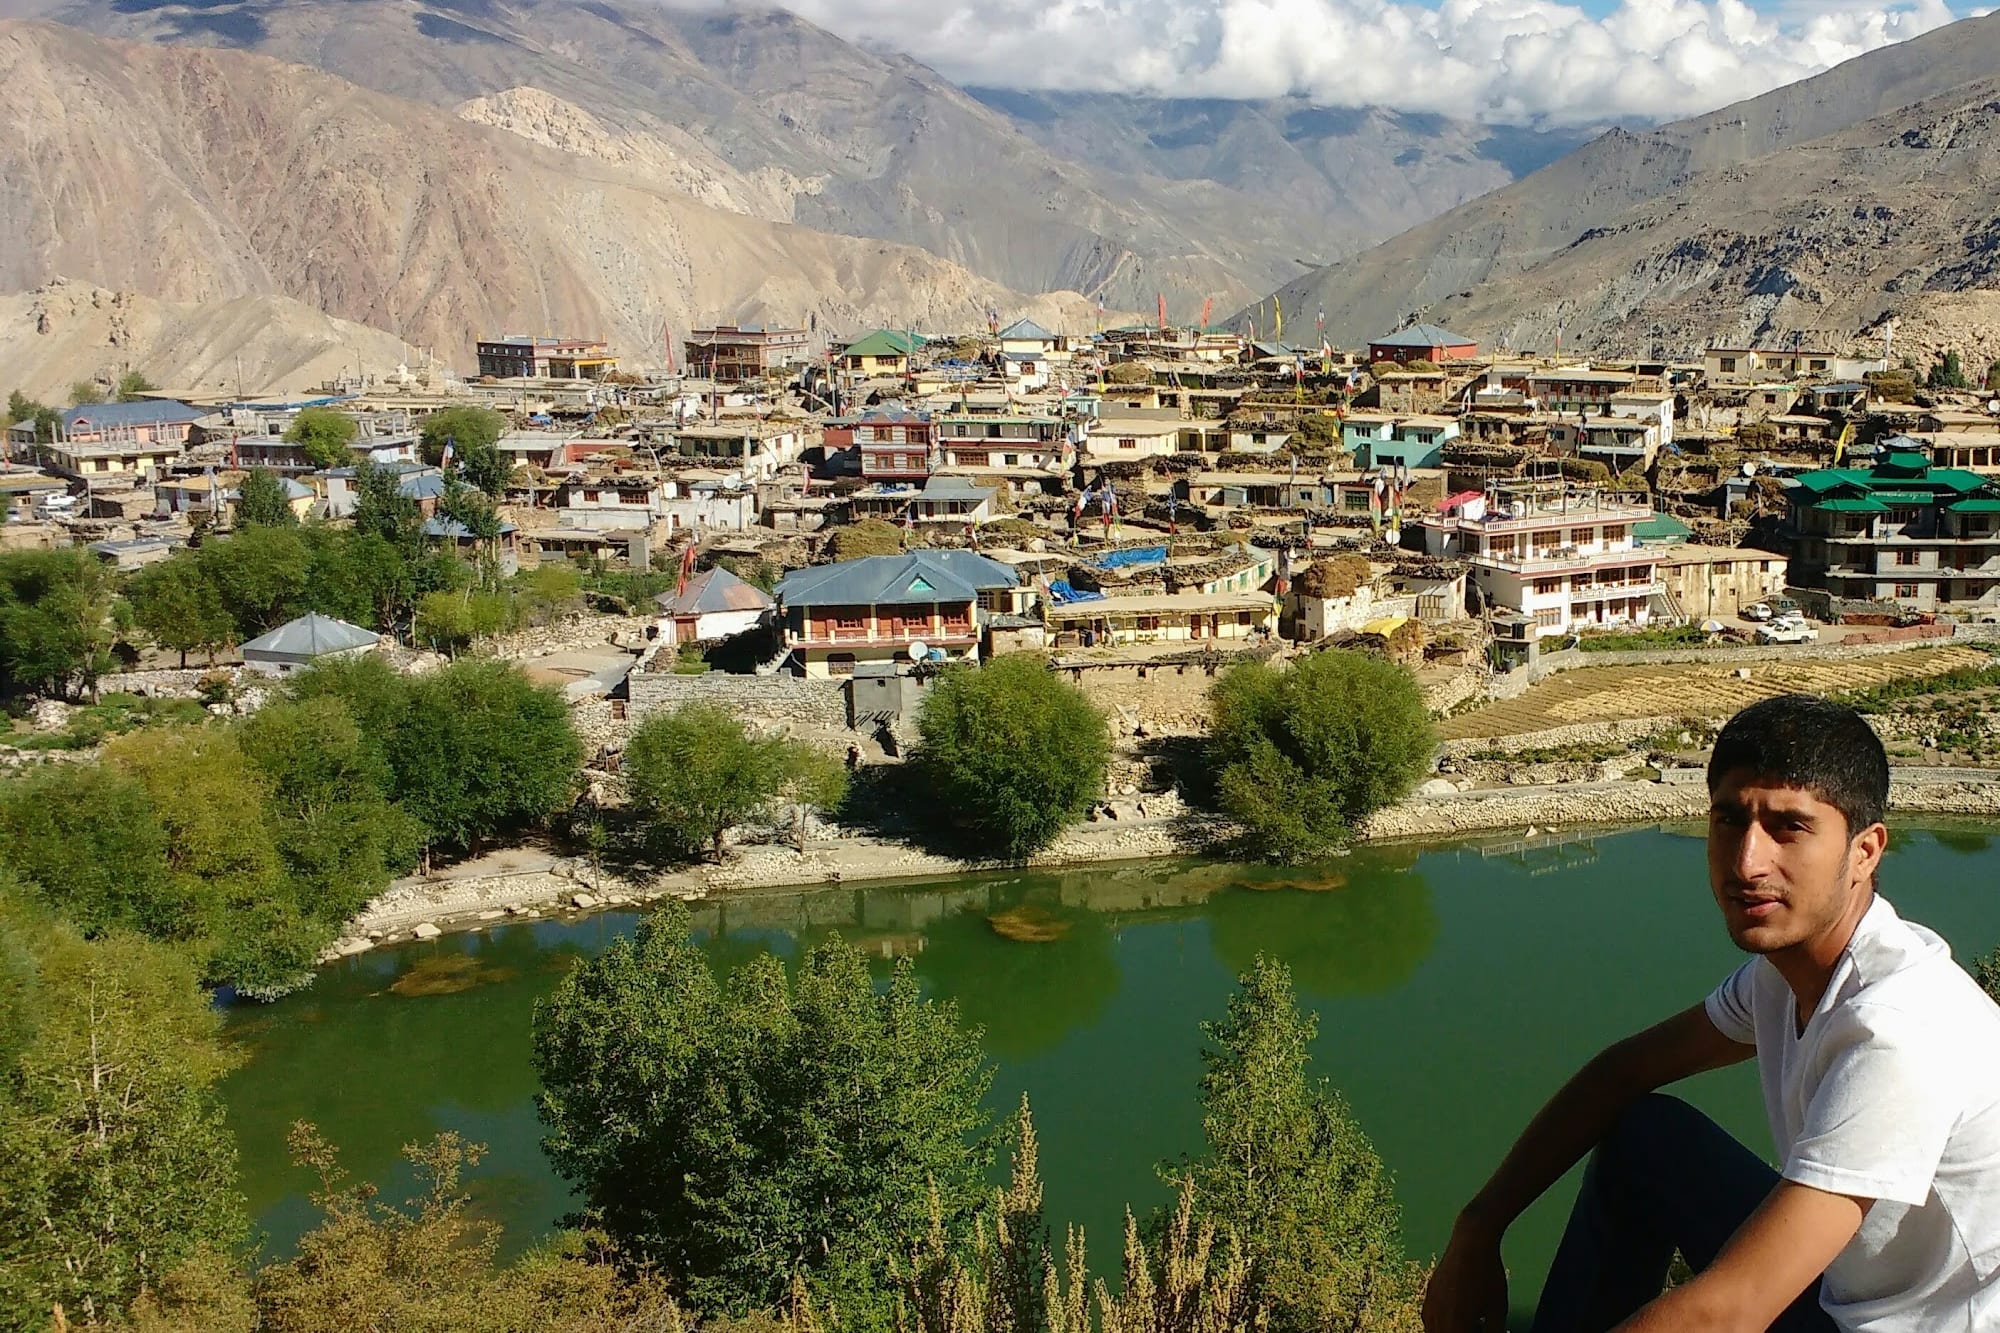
[
  {"x": 731, "y": 353},
  {"x": 116, "y": 444},
  {"x": 519, "y": 355}
]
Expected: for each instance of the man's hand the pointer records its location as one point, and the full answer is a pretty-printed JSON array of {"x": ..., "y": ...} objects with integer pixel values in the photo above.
[{"x": 1468, "y": 1288}]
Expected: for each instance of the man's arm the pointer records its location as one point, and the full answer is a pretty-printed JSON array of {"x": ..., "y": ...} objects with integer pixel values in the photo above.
[
  {"x": 1469, "y": 1284},
  {"x": 1775, "y": 1255}
]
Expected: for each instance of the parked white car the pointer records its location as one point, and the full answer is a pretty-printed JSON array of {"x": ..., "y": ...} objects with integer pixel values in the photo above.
[
  {"x": 1787, "y": 631},
  {"x": 1758, "y": 611}
]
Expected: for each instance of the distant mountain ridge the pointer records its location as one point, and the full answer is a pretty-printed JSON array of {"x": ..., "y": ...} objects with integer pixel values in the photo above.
[{"x": 1729, "y": 224}]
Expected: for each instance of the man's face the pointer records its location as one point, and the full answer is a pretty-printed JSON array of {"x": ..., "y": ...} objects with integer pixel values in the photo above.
[{"x": 1784, "y": 868}]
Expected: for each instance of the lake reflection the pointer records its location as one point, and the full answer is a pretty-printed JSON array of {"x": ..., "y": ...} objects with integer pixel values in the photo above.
[{"x": 1455, "y": 986}]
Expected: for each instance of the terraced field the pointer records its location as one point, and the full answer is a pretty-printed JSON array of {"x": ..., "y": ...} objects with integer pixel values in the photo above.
[{"x": 1617, "y": 693}]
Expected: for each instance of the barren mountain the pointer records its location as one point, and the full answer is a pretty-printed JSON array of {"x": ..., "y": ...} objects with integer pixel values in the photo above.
[
  {"x": 1759, "y": 171},
  {"x": 66, "y": 331},
  {"x": 197, "y": 175},
  {"x": 1367, "y": 173},
  {"x": 781, "y": 120}
]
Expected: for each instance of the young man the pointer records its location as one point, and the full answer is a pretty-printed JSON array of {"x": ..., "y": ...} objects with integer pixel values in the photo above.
[{"x": 1880, "y": 1062}]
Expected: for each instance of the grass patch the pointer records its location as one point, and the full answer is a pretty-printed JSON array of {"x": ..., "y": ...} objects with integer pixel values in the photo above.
[{"x": 1641, "y": 640}]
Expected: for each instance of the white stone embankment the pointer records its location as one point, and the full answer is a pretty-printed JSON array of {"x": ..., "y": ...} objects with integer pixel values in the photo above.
[{"x": 521, "y": 882}]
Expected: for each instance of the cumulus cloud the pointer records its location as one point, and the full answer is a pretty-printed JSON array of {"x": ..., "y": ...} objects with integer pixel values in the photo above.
[{"x": 1502, "y": 61}]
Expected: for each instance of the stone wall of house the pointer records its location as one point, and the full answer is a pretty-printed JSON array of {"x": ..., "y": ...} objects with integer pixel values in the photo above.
[
  {"x": 763, "y": 699},
  {"x": 172, "y": 683},
  {"x": 1165, "y": 698},
  {"x": 572, "y": 633}
]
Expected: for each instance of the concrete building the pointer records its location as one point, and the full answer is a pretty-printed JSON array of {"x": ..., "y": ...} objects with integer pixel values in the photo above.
[
  {"x": 518, "y": 355},
  {"x": 1717, "y": 582},
  {"x": 1192, "y": 617},
  {"x": 1003, "y": 440},
  {"x": 731, "y": 353},
  {"x": 1561, "y": 559},
  {"x": 883, "y": 352},
  {"x": 753, "y": 446},
  {"x": 894, "y": 442},
  {"x": 1752, "y": 365},
  {"x": 874, "y": 610},
  {"x": 110, "y": 444},
  {"x": 715, "y": 605},
  {"x": 1902, "y": 530}
]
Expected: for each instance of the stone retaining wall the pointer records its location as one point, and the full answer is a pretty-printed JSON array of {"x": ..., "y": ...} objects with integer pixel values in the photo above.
[
  {"x": 170, "y": 683},
  {"x": 765, "y": 699}
]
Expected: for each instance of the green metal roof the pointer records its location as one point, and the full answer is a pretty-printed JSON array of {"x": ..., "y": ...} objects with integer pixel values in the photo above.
[
  {"x": 1901, "y": 463},
  {"x": 1853, "y": 504},
  {"x": 1662, "y": 528},
  {"x": 1832, "y": 478},
  {"x": 883, "y": 342},
  {"x": 1976, "y": 504},
  {"x": 1958, "y": 479}
]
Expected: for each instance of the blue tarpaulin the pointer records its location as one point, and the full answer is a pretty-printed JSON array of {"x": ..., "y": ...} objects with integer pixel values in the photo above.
[
  {"x": 1062, "y": 592},
  {"x": 1141, "y": 555}
]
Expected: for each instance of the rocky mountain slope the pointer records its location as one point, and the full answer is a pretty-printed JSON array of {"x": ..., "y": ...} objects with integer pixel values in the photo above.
[
  {"x": 768, "y": 115},
  {"x": 1649, "y": 238},
  {"x": 66, "y": 331},
  {"x": 197, "y": 175}
]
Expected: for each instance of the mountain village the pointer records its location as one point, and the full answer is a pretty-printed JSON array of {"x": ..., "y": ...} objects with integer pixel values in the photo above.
[{"x": 831, "y": 521}]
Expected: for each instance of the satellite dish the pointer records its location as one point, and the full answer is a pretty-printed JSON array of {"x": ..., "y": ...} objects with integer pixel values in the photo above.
[
  {"x": 919, "y": 650},
  {"x": 1749, "y": 469},
  {"x": 1993, "y": 406}
]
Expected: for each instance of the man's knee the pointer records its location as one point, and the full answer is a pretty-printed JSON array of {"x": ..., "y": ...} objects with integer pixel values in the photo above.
[{"x": 1644, "y": 1138}]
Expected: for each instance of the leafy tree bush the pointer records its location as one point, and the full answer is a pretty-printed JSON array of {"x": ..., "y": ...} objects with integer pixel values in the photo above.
[
  {"x": 85, "y": 839},
  {"x": 178, "y": 608},
  {"x": 55, "y": 635},
  {"x": 473, "y": 433},
  {"x": 260, "y": 576},
  {"x": 325, "y": 435},
  {"x": 133, "y": 385},
  {"x": 478, "y": 749},
  {"x": 1301, "y": 753},
  {"x": 1895, "y": 386},
  {"x": 697, "y": 772},
  {"x": 1947, "y": 373},
  {"x": 116, "y": 1167},
  {"x": 739, "y": 1134},
  {"x": 547, "y": 593},
  {"x": 84, "y": 393},
  {"x": 382, "y": 510},
  {"x": 1421, "y": 366},
  {"x": 262, "y": 503},
  {"x": 1291, "y": 1175},
  {"x": 448, "y": 622},
  {"x": 1012, "y": 753}
]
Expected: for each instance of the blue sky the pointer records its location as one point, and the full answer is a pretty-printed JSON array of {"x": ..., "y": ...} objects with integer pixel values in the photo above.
[{"x": 1523, "y": 62}]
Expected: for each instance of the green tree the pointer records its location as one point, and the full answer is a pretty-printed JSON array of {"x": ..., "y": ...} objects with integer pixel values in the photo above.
[
  {"x": 482, "y": 750},
  {"x": 325, "y": 436},
  {"x": 470, "y": 507},
  {"x": 736, "y": 1135},
  {"x": 473, "y": 433},
  {"x": 1993, "y": 377},
  {"x": 83, "y": 393},
  {"x": 116, "y": 1166},
  {"x": 133, "y": 385},
  {"x": 55, "y": 631},
  {"x": 337, "y": 832},
  {"x": 21, "y": 408},
  {"x": 448, "y": 622},
  {"x": 697, "y": 772},
  {"x": 1947, "y": 373},
  {"x": 85, "y": 839},
  {"x": 381, "y": 509},
  {"x": 430, "y": 1267},
  {"x": 547, "y": 592},
  {"x": 262, "y": 502},
  {"x": 1012, "y": 752},
  {"x": 260, "y": 576},
  {"x": 371, "y": 691},
  {"x": 1288, "y": 1171},
  {"x": 178, "y": 608},
  {"x": 1301, "y": 753}
]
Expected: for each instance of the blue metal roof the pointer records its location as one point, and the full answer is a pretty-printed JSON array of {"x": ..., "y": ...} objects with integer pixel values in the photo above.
[
  {"x": 119, "y": 416},
  {"x": 918, "y": 578}
]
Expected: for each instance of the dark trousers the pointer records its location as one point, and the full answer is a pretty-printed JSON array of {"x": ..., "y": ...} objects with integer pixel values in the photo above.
[{"x": 1666, "y": 1178}]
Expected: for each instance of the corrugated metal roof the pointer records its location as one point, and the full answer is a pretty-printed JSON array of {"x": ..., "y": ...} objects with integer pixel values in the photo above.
[
  {"x": 312, "y": 635},
  {"x": 118, "y": 416},
  {"x": 1025, "y": 329},
  {"x": 918, "y": 578},
  {"x": 1424, "y": 335},
  {"x": 713, "y": 590},
  {"x": 883, "y": 342}
]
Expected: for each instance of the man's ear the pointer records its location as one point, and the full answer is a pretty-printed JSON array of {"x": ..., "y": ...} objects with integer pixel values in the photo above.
[{"x": 1865, "y": 853}]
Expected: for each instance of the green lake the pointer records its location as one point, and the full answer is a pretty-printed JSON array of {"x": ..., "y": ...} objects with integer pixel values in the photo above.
[{"x": 1456, "y": 985}]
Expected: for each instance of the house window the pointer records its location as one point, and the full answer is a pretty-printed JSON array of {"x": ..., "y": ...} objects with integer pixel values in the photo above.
[
  {"x": 1547, "y": 587},
  {"x": 1127, "y": 442},
  {"x": 840, "y": 664},
  {"x": 1548, "y": 617},
  {"x": 1243, "y": 617},
  {"x": 1148, "y": 623},
  {"x": 1906, "y": 557},
  {"x": 1906, "y": 590},
  {"x": 1579, "y": 536},
  {"x": 1614, "y": 532},
  {"x": 1728, "y": 365}
]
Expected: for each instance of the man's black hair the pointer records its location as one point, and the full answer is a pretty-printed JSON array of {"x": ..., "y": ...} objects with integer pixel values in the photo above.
[{"x": 1802, "y": 740}]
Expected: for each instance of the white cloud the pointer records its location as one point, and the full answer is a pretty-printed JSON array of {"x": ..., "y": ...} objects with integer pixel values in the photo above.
[{"x": 1505, "y": 61}]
